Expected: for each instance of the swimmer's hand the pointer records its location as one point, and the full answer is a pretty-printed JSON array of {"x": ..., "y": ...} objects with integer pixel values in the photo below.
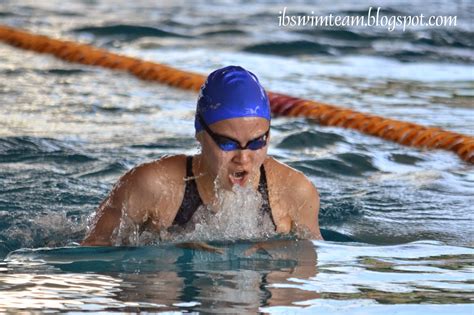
[
  {"x": 285, "y": 226},
  {"x": 259, "y": 247},
  {"x": 267, "y": 247},
  {"x": 202, "y": 246}
]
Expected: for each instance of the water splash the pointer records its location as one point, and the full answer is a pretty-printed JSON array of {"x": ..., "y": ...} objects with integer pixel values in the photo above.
[
  {"x": 48, "y": 228},
  {"x": 127, "y": 233},
  {"x": 234, "y": 215}
]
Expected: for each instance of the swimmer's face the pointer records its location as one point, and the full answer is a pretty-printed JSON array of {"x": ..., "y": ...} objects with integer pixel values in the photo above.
[{"x": 239, "y": 167}]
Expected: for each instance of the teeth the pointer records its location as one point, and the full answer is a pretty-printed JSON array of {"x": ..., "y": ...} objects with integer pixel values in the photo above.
[{"x": 239, "y": 174}]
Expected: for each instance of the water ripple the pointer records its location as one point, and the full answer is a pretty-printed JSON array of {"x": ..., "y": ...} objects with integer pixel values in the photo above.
[
  {"x": 128, "y": 32},
  {"x": 31, "y": 149}
]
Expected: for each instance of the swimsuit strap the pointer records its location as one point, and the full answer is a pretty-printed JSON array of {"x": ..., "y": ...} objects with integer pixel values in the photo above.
[
  {"x": 191, "y": 199},
  {"x": 263, "y": 190}
]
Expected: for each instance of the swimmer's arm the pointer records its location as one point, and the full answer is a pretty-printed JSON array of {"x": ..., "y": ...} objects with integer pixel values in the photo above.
[
  {"x": 305, "y": 214},
  {"x": 131, "y": 197},
  {"x": 106, "y": 219}
]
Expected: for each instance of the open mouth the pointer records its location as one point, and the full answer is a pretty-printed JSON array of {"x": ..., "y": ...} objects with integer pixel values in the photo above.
[{"x": 238, "y": 178}]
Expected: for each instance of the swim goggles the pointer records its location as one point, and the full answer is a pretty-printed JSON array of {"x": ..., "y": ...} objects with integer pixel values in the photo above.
[{"x": 229, "y": 144}]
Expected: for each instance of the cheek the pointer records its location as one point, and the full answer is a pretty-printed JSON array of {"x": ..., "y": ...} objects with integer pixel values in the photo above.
[
  {"x": 261, "y": 155},
  {"x": 258, "y": 157},
  {"x": 216, "y": 159}
]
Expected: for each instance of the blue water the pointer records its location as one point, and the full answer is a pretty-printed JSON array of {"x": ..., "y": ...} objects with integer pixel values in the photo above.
[
  {"x": 292, "y": 276},
  {"x": 69, "y": 131}
]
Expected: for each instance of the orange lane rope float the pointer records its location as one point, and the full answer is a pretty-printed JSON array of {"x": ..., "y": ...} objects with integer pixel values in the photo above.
[{"x": 329, "y": 115}]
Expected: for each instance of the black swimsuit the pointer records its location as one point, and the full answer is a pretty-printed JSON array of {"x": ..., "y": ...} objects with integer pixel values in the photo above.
[{"x": 192, "y": 200}]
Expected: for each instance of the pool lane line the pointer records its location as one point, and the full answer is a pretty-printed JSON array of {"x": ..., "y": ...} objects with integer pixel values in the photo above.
[{"x": 406, "y": 133}]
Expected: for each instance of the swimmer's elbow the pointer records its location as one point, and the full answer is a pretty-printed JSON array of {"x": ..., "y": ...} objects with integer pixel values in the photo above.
[
  {"x": 95, "y": 242},
  {"x": 106, "y": 219},
  {"x": 131, "y": 197},
  {"x": 101, "y": 231}
]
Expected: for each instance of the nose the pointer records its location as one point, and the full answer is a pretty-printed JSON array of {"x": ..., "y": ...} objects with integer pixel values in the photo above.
[{"x": 242, "y": 157}]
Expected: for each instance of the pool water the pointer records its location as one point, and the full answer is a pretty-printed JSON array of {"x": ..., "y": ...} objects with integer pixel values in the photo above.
[
  {"x": 287, "y": 276},
  {"x": 69, "y": 131}
]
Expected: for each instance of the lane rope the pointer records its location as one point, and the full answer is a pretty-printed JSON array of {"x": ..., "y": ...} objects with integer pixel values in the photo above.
[{"x": 405, "y": 133}]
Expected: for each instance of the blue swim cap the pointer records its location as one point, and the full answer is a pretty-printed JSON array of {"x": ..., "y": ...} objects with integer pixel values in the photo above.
[{"x": 231, "y": 92}]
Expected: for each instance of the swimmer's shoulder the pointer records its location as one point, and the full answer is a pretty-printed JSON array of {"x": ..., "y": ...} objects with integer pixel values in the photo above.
[
  {"x": 283, "y": 174},
  {"x": 156, "y": 187},
  {"x": 295, "y": 197},
  {"x": 148, "y": 193},
  {"x": 169, "y": 169},
  {"x": 289, "y": 183}
]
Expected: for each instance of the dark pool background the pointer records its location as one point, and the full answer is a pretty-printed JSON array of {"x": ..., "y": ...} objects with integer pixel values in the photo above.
[{"x": 69, "y": 131}]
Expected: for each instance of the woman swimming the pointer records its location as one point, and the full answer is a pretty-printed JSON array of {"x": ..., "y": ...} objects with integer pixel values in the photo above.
[{"x": 232, "y": 125}]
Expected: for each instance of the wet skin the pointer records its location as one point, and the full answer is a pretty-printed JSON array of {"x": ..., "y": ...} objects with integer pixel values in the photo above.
[{"x": 152, "y": 192}]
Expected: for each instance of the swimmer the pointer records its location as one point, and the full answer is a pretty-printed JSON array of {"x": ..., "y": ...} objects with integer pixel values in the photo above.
[{"x": 232, "y": 125}]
